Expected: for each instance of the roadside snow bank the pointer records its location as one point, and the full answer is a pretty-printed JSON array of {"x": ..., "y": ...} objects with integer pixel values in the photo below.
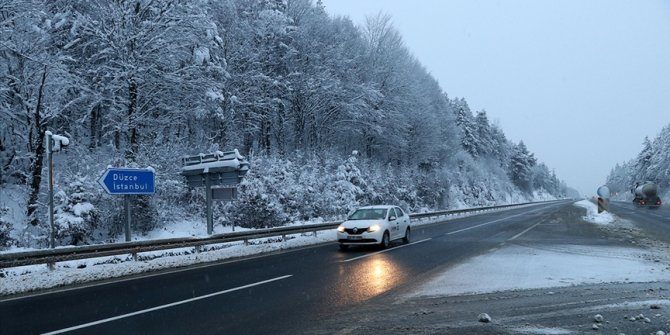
[
  {"x": 592, "y": 213},
  {"x": 522, "y": 267}
]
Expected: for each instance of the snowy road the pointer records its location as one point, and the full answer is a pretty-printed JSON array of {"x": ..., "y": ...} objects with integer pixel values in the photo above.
[{"x": 294, "y": 291}]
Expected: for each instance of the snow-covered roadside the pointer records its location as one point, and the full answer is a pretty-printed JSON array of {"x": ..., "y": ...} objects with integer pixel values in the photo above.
[
  {"x": 592, "y": 213},
  {"x": 522, "y": 267}
]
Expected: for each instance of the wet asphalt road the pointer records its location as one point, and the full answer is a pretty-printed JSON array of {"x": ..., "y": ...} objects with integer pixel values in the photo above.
[
  {"x": 290, "y": 292},
  {"x": 654, "y": 221},
  {"x": 627, "y": 307}
]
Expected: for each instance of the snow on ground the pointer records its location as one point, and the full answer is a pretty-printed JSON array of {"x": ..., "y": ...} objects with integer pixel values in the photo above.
[
  {"x": 523, "y": 267},
  {"x": 541, "y": 331},
  {"x": 592, "y": 213},
  {"x": 184, "y": 228}
]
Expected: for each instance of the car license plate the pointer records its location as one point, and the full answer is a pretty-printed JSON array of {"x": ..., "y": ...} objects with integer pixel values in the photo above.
[{"x": 354, "y": 237}]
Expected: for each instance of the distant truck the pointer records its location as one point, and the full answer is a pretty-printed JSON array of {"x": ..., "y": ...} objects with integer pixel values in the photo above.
[{"x": 646, "y": 195}]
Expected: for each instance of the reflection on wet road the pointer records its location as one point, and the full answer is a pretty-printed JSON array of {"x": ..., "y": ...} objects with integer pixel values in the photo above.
[{"x": 366, "y": 278}]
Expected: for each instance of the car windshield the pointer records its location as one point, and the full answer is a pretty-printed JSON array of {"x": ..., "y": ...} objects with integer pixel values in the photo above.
[{"x": 369, "y": 214}]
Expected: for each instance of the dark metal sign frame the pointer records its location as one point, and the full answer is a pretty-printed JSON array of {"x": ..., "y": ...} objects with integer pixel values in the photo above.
[{"x": 222, "y": 169}]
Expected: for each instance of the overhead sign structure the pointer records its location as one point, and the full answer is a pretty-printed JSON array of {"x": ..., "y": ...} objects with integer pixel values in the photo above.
[
  {"x": 219, "y": 168},
  {"x": 126, "y": 181},
  {"x": 224, "y": 193},
  {"x": 219, "y": 172}
]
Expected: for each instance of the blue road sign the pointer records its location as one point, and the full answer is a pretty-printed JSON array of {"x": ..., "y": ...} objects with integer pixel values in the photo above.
[{"x": 119, "y": 181}]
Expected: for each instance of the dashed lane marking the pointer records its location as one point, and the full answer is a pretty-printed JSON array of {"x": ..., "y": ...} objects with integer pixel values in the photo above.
[
  {"x": 86, "y": 325},
  {"x": 523, "y": 232}
]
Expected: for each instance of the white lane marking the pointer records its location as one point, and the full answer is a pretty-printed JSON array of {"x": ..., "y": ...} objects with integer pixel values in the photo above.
[
  {"x": 64, "y": 330},
  {"x": 523, "y": 232},
  {"x": 386, "y": 250},
  {"x": 494, "y": 221}
]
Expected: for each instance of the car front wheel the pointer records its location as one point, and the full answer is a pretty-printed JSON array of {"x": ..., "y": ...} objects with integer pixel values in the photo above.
[
  {"x": 386, "y": 240},
  {"x": 408, "y": 236}
]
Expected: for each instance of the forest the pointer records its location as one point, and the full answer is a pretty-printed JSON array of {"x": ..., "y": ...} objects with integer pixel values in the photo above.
[
  {"x": 651, "y": 164},
  {"x": 330, "y": 115}
]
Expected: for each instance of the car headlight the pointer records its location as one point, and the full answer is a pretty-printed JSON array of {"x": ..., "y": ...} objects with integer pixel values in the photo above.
[
  {"x": 374, "y": 228},
  {"x": 340, "y": 229}
]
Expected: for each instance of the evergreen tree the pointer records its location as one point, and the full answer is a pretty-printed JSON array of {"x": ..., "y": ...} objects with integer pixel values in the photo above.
[
  {"x": 521, "y": 165},
  {"x": 643, "y": 161}
]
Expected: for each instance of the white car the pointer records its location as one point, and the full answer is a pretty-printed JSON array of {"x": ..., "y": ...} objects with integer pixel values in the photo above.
[{"x": 374, "y": 225}]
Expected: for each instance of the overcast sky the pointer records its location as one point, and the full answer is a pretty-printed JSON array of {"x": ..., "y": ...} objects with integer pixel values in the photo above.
[{"x": 580, "y": 82}]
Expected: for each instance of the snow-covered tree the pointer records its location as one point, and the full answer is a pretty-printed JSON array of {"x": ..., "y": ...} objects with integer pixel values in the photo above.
[
  {"x": 643, "y": 161},
  {"x": 620, "y": 179},
  {"x": 467, "y": 127},
  {"x": 137, "y": 83},
  {"x": 6, "y": 228},
  {"x": 75, "y": 219},
  {"x": 521, "y": 167},
  {"x": 143, "y": 63},
  {"x": 486, "y": 141},
  {"x": 652, "y": 163}
]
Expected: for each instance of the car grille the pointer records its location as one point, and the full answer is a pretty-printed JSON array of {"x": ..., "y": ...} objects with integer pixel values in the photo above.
[{"x": 359, "y": 231}]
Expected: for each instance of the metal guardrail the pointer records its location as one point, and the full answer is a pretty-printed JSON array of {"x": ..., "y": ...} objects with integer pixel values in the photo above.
[{"x": 48, "y": 256}]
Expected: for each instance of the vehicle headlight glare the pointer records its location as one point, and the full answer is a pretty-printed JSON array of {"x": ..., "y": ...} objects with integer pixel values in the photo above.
[
  {"x": 340, "y": 229},
  {"x": 374, "y": 228}
]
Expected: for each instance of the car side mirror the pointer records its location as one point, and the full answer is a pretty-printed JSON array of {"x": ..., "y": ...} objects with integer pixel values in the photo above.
[{"x": 392, "y": 218}]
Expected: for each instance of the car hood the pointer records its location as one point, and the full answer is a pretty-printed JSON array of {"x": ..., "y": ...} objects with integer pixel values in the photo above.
[{"x": 360, "y": 223}]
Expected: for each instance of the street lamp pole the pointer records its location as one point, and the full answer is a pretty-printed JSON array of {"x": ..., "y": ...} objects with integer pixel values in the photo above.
[
  {"x": 53, "y": 143},
  {"x": 49, "y": 140}
]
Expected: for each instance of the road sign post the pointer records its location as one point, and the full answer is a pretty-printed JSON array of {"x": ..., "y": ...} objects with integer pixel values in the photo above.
[
  {"x": 208, "y": 197},
  {"x": 129, "y": 216},
  {"x": 128, "y": 182},
  {"x": 52, "y": 239}
]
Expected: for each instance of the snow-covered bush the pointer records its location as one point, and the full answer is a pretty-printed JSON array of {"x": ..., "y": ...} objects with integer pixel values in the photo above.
[
  {"x": 5, "y": 230},
  {"x": 349, "y": 187},
  {"x": 256, "y": 207},
  {"x": 300, "y": 192},
  {"x": 75, "y": 217}
]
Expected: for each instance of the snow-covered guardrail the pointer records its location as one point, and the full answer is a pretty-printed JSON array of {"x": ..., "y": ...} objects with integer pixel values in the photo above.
[{"x": 48, "y": 256}]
